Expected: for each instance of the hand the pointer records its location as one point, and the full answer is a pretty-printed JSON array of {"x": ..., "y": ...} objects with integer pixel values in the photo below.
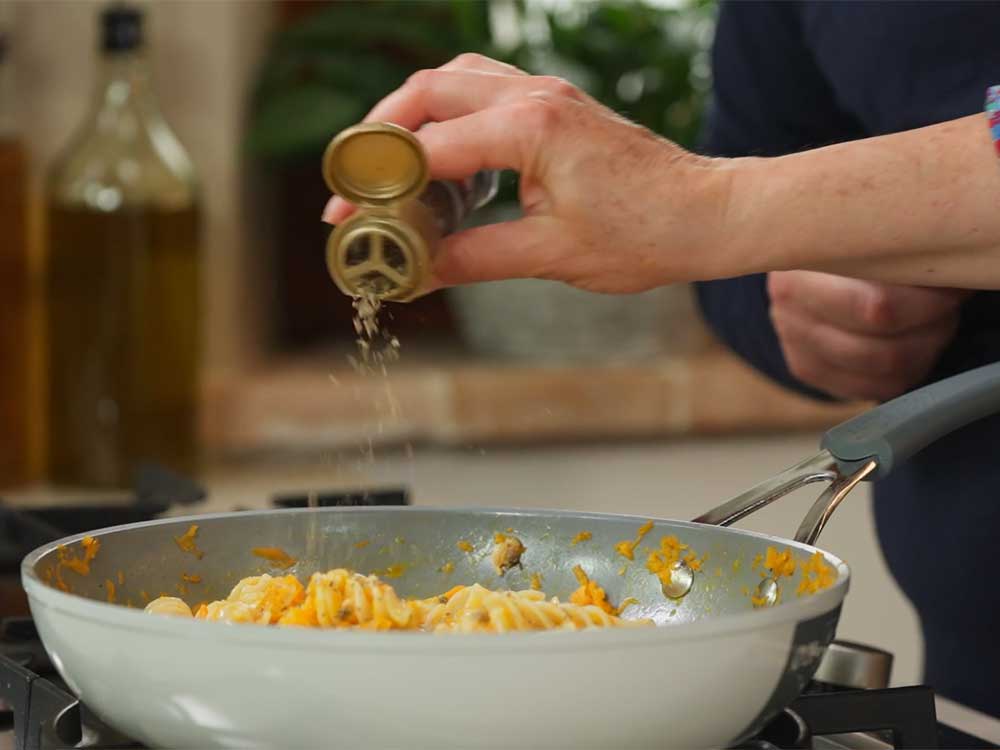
[
  {"x": 608, "y": 206},
  {"x": 859, "y": 339}
]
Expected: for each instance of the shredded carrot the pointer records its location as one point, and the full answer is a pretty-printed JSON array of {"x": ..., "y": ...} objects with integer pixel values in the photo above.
[
  {"x": 451, "y": 592},
  {"x": 590, "y": 593},
  {"x": 464, "y": 546},
  {"x": 362, "y": 544},
  {"x": 186, "y": 541},
  {"x": 499, "y": 538},
  {"x": 694, "y": 562},
  {"x": 659, "y": 561},
  {"x": 816, "y": 575},
  {"x": 276, "y": 556},
  {"x": 627, "y": 547},
  {"x": 448, "y": 567},
  {"x": 191, "y": 578},
  {"x": 781, "y": 564},
  {"x": 110, "y": 586},
  {"x": 79, "y": 565},
  {"x": 583, "y": 536}
]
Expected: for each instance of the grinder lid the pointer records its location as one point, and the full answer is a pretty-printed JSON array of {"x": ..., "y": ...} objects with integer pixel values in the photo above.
[{"x": 374, "y": 164}]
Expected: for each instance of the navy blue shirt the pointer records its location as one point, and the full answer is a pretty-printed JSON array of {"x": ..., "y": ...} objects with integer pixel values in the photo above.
[{"x": 791, "y": 76}]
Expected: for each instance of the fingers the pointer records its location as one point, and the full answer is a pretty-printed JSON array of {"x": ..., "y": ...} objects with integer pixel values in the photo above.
[
  {"x": 454, "y": 93},
  {"x": 438, "y": 95},
  {"x": 500, "y": 138},
  {"x": 858, "y": 366},
  {"x": 482, "y": 64},
  {"x": 404, "y": 107},
  {"x": 336, "y": 210},
  {"x": 861, "y": 306},
  {"x": 507, "y": 250}
]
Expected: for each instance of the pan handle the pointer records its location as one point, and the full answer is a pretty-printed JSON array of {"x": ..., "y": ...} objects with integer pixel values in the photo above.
[{"x": 892, "y": 432}]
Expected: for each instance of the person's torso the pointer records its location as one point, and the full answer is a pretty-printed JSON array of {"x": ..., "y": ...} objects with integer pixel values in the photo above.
[{"x": 796, "y": 75}]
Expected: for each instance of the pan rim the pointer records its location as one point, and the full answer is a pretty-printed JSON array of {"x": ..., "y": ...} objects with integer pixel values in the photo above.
[{"x": 118, "y": 616}]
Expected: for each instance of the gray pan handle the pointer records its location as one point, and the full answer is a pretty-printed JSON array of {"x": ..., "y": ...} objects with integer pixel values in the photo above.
[{"x": 897, "y": 429}]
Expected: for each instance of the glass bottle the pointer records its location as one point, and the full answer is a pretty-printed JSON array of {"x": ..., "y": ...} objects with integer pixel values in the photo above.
[
  {"x": 385, "y": 250},
  {"x": 122, "y": 280},
  {"x": 14, "y": 352}
]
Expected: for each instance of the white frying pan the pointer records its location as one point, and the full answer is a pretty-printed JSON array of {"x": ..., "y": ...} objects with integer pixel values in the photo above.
[{"x": 711, "y": 674}]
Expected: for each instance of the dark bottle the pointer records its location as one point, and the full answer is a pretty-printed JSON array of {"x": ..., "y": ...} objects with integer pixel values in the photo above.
[{"x": 122, "y": 280}]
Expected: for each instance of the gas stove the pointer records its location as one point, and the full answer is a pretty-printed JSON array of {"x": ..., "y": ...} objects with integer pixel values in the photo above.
[{"x": 847, "y": 706}]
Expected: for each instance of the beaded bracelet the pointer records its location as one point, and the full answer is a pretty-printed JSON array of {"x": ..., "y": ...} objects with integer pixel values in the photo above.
[{"x": 993, "y": 114}]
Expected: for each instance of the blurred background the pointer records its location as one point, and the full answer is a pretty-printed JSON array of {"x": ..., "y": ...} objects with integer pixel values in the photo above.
[{"x": 160, "y": 184}]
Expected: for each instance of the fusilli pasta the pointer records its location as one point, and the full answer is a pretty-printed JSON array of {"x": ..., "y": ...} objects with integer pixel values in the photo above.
[{"x": 341, "y": 598}]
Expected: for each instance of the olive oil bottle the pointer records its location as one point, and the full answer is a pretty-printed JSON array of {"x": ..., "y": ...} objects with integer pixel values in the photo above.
[{"x": 122, "y": 280}]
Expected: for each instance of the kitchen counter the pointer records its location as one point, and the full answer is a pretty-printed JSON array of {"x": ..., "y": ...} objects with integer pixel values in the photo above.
[{"x": 443, "y": 398}]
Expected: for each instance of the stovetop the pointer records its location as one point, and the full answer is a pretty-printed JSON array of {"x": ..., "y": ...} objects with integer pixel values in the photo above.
[{"x": 38, "y": 711}]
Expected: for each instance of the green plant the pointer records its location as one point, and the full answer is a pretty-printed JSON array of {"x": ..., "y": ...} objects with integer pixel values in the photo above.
[
  {"x": 323, "y": 72},
  {"x": 326, "y": 70},
  {"x": 646, "y": 62}
]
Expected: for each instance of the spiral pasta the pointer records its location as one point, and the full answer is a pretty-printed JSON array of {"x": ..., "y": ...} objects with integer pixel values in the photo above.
[
  {"x": 258, "y": 599},
  {"x": 475, "y": 609},
  {"x": 341, "y": 598}
]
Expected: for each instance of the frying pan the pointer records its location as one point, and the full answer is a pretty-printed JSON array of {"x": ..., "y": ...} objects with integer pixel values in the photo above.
[{"x": 710, "y": 675}]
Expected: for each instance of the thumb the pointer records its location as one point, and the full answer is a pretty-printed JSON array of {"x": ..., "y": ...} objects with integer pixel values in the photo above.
[{"x": 518, "y": 249}]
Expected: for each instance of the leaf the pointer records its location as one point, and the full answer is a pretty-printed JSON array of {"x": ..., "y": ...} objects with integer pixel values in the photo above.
[{"x": 300, "y": 120}]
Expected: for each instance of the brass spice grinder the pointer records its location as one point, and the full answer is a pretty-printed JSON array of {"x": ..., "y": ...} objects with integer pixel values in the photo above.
[{"x": 386, "y": 248}]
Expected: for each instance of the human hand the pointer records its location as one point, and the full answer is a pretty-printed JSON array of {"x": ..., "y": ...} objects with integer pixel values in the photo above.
[
  {"x": 859, "y": 339},
  {"x": 608, "y": 206}
]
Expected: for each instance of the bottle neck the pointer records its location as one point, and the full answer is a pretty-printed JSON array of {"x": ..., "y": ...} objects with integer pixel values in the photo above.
[{"x": 124, "y": 87}]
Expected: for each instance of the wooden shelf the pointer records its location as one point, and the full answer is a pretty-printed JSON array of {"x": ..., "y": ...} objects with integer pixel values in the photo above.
[{"x": 319, "y": 403}]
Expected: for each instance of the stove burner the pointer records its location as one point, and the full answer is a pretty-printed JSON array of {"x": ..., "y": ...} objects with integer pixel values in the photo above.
[{"x": 343, "y": 499}]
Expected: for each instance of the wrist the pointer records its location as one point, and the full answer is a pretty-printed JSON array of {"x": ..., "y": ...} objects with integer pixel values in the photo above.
[{"x": 740, "y": 238}]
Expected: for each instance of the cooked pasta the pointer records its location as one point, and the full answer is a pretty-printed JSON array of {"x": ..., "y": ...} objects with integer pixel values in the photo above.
[
  {"x": 169, "y": 605},
  {"x": 475, "y": 609},
  {"x": 344, "y": 599},
  {"x": 259, "y": 599}
]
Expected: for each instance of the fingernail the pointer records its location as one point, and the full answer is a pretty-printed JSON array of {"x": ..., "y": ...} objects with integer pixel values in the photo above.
[{"x": 330, "y": 211}]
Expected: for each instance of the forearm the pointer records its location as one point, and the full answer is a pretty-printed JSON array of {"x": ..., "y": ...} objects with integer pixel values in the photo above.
[{"x": 920, "y": 207}]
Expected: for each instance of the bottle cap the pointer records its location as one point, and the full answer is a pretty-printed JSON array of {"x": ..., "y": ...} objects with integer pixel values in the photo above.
[
  {"x": 121, "y": 28},
  {"x": 375, "y": 163}
]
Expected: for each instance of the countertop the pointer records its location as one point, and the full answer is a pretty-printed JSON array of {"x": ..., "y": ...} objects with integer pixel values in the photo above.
[{"x": 319, "y": 403}]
